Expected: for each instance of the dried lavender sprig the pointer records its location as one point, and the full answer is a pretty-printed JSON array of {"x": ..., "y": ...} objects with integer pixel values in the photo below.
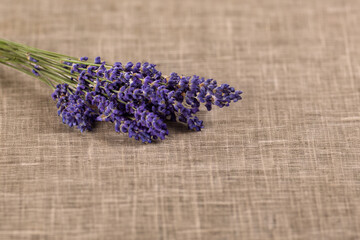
[{"x": 136, "y": 97}]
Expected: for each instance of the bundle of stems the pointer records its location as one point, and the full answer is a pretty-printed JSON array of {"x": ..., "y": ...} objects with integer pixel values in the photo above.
[{"x": 136, "y": 97}]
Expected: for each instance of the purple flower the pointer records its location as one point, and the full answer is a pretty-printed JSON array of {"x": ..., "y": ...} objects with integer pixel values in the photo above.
[
  {"x": 98, "y": 60},
  {"x": 35, "y": 72},
  {"x": 137, "y": 98},
  {"x": 32, "y": 59},
  {"x": 73, "y": 109}
]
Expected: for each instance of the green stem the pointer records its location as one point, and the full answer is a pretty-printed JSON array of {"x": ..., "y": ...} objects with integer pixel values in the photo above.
[
  {"x": 51, "y": 70},
  {"x": 28, "y": 72}
]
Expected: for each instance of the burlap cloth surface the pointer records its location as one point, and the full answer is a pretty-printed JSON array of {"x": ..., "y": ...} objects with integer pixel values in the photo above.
[{"x": 284, "y": 163}]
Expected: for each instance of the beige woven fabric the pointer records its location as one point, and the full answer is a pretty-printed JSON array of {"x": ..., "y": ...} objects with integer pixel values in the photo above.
[{"x": 284, "y": 163}]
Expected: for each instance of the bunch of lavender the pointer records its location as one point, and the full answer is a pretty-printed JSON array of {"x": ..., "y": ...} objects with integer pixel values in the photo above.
[{"x": 136, "y": 97}]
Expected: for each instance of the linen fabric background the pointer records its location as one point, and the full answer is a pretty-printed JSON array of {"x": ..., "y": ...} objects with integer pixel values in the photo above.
[{"x": 283, "y": 163}]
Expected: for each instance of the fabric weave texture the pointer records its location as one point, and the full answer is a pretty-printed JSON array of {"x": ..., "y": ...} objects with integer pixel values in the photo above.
[{"x": 283, "y": 163}]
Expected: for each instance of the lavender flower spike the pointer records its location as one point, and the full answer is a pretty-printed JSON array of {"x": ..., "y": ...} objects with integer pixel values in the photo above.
[{"x": 136, "y": 97}]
